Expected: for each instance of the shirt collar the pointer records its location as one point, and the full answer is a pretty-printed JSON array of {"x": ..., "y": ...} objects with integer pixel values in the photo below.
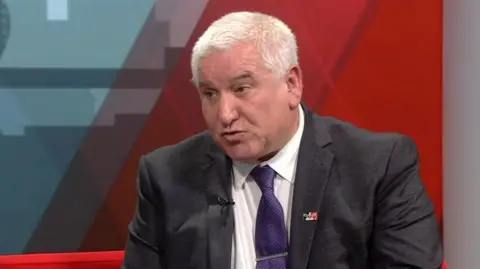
[{"x": 284, "y": 162}]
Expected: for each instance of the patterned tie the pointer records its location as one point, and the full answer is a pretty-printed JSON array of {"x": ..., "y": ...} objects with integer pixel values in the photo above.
[{"x": 271, "y": 238}]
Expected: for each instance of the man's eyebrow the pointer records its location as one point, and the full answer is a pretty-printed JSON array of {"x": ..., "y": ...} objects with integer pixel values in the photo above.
[
  {"x": 244, "y": 75},
  {"x": 205, "y": 84}
]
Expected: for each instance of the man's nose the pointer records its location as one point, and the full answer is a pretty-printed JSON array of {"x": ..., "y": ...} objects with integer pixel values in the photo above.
[{"x": 227, "y": 110}]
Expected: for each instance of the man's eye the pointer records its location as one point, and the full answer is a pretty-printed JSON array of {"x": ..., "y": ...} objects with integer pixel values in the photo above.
[
  {"x": 241, "y": 89},
  {"x": 209, "y": 94}
]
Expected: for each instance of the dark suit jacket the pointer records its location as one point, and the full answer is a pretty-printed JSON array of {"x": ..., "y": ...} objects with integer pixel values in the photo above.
[{"x": 373, "y": 211}]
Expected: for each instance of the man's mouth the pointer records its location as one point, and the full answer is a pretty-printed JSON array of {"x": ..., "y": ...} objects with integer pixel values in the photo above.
[{"x": 232, "y": 135}]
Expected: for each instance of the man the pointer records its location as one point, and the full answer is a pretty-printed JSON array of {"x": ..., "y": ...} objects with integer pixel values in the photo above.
[{"x": 272, "y": 184}]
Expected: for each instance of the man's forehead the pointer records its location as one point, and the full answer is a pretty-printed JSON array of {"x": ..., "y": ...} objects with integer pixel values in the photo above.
[{"x": 244, "y": 75}]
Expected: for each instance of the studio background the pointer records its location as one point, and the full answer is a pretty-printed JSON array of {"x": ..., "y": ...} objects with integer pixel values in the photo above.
[{"x": 88, "y": 86}]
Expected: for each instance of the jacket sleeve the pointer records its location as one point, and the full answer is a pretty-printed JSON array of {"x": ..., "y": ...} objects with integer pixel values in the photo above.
[
  {"x": 406, "y": 233},
  {"x": 146, "y": 232}
]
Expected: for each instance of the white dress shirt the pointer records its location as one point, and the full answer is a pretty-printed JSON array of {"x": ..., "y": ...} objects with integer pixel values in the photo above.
[{"x": 247, "y": 194}]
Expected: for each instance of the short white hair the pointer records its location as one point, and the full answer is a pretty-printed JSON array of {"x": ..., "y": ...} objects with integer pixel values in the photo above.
[{"x": 275, "y": 41}]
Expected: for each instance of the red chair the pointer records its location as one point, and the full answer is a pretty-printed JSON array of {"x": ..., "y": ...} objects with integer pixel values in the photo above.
[{"x": 78, "y": 260}]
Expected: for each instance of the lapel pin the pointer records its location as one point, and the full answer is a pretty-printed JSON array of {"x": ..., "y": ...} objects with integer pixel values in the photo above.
[{"x": 310, "y": 216}]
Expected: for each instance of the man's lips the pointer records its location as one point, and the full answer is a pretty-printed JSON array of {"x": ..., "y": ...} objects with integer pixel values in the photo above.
[{"x": 231, "y": 133}]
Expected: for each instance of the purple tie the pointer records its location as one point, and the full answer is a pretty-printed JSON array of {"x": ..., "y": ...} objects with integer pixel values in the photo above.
[{"x": 271, "y": 238}]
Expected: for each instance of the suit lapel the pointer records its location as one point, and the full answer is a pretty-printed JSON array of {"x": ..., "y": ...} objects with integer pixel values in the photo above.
[
  {"x": 313, "y": 169},
  {"x": 220, "y": 218}
]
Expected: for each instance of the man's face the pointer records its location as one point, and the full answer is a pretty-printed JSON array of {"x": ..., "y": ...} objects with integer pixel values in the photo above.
[{"x": 249, "y": 110}]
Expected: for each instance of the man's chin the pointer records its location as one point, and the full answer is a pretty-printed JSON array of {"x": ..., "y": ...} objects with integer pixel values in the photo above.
[{"x": 242, "y": 155}]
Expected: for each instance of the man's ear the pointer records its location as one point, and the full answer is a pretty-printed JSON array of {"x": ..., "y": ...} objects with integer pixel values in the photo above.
[{"x": 294, "y": 82}]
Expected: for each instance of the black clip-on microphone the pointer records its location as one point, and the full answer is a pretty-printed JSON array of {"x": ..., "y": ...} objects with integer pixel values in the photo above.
[{"x": 222, "y": 202}]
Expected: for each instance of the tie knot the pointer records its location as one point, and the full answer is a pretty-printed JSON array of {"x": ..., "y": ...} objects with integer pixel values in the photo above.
[{"x": 264, "y": 176}]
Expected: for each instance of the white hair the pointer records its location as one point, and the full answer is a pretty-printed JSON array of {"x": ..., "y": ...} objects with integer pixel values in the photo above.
[{"x": 275, "y": 41}]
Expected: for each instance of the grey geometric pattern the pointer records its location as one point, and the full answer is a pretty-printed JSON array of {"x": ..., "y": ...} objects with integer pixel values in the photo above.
[{"x": 72, "y": 106}]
